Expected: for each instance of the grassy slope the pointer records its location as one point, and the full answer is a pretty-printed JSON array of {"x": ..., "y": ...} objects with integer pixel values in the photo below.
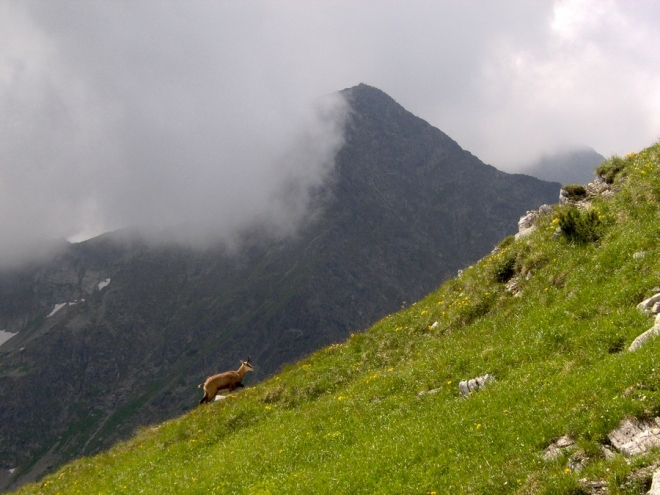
[{"x": 349, "y": 420}]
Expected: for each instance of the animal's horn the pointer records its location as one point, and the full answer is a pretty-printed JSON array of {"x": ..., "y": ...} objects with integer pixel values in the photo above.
[{"x": 248, "y": 359}]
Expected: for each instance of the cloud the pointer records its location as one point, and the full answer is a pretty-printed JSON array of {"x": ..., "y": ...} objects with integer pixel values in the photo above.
[
  {"x": 124, "y": 114},
  {"x": 592, "y": 80},
  {"x": 121, "y": 113}
]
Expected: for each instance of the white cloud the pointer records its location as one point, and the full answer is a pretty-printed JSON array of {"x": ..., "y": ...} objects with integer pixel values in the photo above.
[
  {"x": 592, "y": 80},
  {"x": 135, "y": 112}
]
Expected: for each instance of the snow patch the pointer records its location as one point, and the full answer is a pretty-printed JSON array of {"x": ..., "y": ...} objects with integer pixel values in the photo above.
[
  {"x": 61, "y": 305},
  {"x": 5, "y": 336},
  {"x": 56, "y": 309},
  {"x": 104, "y": 283}
]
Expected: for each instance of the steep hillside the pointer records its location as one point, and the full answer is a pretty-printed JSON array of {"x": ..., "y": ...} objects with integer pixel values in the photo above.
[
  {"x": 549, "y": 316},
  {"x": 404, "y": 209}
]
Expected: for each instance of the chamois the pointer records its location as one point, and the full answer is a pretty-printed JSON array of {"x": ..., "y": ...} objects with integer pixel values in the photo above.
[{"x": 227, "y": 380}]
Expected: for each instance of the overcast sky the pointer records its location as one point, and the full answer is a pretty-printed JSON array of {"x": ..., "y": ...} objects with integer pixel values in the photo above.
[{"x": 117, "y": 113}]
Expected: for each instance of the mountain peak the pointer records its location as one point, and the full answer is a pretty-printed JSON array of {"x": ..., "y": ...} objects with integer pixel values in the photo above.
[
  {"x": 364, "y": 96},
  {"x": 364, "y": 90}
]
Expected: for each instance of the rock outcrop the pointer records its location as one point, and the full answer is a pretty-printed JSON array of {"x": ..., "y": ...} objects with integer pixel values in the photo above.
[
  {"x": 635, "y": 436},
  {"x": 526, "y": 224}
]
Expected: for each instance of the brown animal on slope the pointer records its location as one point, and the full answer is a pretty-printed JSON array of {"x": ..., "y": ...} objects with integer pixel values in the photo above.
[{"x": 228, "y": 380}]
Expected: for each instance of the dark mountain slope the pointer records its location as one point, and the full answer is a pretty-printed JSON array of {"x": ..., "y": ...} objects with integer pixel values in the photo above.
[
  {"x": 568, "y": 167},
  {"x": 404, "y": 208}
]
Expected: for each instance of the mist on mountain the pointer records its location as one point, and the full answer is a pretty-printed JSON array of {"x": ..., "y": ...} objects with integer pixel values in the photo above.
[{"x": 570, "y": 166}]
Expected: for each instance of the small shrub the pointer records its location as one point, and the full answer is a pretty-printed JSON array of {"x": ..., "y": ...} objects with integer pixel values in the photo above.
[
  {"x": 575, "y": 192},
  {"x": 609, "y": 169},
  {"x": 503, "y": 266},
  {"x": 580, "y": 227}
]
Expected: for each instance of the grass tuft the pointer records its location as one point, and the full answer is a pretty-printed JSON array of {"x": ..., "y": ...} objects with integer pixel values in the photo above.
[{"x": 610, "y": 168}]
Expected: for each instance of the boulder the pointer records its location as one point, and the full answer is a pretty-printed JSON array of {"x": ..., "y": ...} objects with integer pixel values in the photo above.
[{"x": 468, "y": 386}]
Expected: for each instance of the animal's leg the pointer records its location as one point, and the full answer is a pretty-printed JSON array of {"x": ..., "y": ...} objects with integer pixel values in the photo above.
[{"x": 239, "y": 384}]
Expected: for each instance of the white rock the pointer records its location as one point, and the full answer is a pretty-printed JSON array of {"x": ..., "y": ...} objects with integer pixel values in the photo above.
[
  {"x": 528, "y": 220},
  {"x": 598, "y": 186},
  {"x": 646, "y": 305},
  {"x": 435, "y": 325},
  {"x": 565, "y": 441},
  {"x": 467, "y": 386},
  {"x": 645, "y": 337},
  {"x": 463, "y": 387},
  {"x": 655, "y": 484}
]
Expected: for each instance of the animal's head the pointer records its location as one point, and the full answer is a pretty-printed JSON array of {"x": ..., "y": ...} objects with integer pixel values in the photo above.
[{"x": 247, "y": 364}]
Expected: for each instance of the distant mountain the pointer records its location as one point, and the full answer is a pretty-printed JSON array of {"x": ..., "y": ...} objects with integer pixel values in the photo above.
[
  {"x": 566, "y": 167},
  {"x": 145, "y": 322}
]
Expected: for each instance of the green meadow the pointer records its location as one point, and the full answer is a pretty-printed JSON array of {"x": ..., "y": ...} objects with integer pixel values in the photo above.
[{"x": 350, "y": 418}]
